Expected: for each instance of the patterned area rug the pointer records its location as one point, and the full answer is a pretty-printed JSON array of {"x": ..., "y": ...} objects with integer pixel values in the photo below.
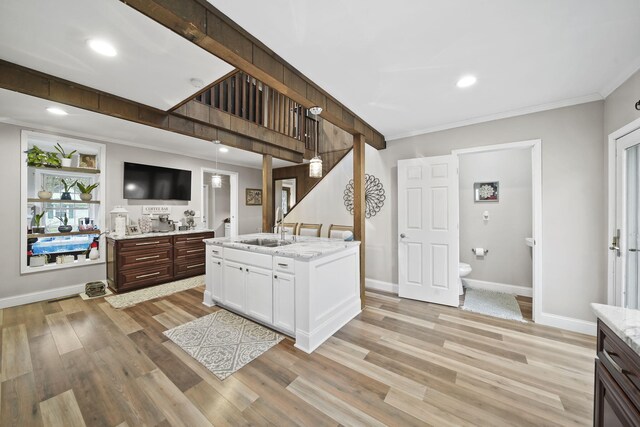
[
  {"x": 135, "y": 297},
  {"x": 223, "y": 342},
  {"x": 494, "y": 304}
]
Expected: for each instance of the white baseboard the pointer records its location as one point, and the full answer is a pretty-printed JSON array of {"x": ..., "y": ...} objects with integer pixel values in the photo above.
[
  {"x": 309, "y": 341},
  {"x": 568, "y": 323},
  {"x": 498, "y": 287},
  {"x": 381, "y": 286},
  {"x": 41, "y": 296}
]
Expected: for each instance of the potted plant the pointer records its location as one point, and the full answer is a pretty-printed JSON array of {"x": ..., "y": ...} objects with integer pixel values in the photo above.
[
  {"x": 66, "y": 157},
  {"x": 64, "y": 220},
  {"x": 85, "y": 190},
  {"x": 37, "y": 229},
  {"x": 66, "y": 195},
  {"x": 38, "y": 260},
  {"x": 44, "y": 194},
  {"x": 38, "y": 158}
]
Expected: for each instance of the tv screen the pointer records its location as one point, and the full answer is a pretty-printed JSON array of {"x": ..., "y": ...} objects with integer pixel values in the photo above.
[{"x": 156, "y": 183}]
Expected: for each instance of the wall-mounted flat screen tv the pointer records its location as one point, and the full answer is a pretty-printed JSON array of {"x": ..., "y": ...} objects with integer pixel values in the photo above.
[{"x": 156, "y": 183}]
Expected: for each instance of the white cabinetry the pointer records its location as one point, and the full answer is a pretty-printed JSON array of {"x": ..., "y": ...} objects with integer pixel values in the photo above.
[
  {"x": 284, "y": 299},
  {"x": 234, "y": 285},
  {"x": 259, "y": 293},
  {"x": 215, "y": 267}
]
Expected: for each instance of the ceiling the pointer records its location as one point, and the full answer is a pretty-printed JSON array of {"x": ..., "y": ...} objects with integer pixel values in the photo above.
[
  {"x": 153, "y": 66},
  {"x": 30, "y": 111},
  {"x": 396, "y": 64}
]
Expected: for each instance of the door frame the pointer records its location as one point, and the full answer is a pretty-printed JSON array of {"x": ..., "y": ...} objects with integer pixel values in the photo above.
[
  {"x": 233, "y": 179},
  {"x": 614, "y": 296},
  {"x": 535, "y": 145}
]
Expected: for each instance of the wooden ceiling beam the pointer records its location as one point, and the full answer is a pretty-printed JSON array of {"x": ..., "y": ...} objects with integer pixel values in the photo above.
[
  {"x": 202, "y": 24},
  {"x": 246, "y": 136}
]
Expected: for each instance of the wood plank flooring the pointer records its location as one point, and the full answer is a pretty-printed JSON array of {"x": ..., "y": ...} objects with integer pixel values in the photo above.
[{"x": 400, "y": 362}]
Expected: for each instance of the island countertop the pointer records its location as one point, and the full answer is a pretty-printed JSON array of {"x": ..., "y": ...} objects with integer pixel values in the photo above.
[
  {"x": 304, "y": 247},
  {"x": 624, "y": 322}
]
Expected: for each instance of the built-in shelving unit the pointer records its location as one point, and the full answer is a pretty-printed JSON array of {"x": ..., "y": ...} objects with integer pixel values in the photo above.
[{"x": 80, "y": 214}]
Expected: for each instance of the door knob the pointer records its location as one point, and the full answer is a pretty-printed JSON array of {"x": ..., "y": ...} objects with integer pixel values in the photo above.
[{"x": 402, "y": 235}]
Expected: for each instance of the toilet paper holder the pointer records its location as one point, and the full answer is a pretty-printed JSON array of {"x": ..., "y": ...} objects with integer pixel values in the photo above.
[{"x": 486, "y": 251}]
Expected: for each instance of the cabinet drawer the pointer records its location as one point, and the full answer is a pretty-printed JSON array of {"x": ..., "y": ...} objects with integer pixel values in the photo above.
[
  {"x": 249, "y": 258},
  {"x": 217, "y": 251},
  {"x": 188, "y": 252},
  {"x": 622, "y": 362},
  {"x": 283, "y": 264},
  {"x": 144, "y": 244},
  {"x": 141, "y": 259},
  {"x": 137, "y": 278},
  {"x": 189, "y": 268},
  {"x": 192, "y": 238}
]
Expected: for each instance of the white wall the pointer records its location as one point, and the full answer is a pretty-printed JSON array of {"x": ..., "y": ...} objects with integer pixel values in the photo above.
[
  {"x": 510, "y": 219},
  {"x": 573, "y": 181},
  {"x": 619, "y": 106},
  {"x": 12, "y": 284},
  {"x": 324, "y": 204}
]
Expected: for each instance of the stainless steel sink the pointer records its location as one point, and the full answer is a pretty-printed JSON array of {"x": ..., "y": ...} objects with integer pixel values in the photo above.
[{"x": 269, "y": 243}]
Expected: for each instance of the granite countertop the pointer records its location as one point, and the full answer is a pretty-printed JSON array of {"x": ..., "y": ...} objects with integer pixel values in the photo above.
[
  {"x": 156, "y": 234},
  {"x": 625, "y": 322},
  {"x": 305, "y": 248}
]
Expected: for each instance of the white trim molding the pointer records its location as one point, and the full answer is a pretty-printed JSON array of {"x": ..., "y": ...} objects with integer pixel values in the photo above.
[
  {"x": 568, "y": 323},
  {"x": 505, "y": 288},
  {"x": 29, "y": 298},
  {"x": 380, "y": 285}
]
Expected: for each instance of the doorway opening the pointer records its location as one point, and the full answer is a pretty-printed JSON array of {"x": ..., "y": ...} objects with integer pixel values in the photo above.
[{"x": 220, "y": 205}]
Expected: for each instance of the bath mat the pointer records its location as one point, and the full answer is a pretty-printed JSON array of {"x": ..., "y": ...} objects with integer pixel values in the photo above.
[
  {"x": 135, "y": 297},
  {"x": 491, "y": 303},
  {"x": 223, "y": 342}
]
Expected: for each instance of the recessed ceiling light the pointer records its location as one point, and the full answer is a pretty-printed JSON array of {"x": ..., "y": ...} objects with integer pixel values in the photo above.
[
  {"x": 224, "y": 150},
  {"x": 102, "y": 47},
  {"x": 466, "y": 81},
  {"x": 57, "y": 111}
]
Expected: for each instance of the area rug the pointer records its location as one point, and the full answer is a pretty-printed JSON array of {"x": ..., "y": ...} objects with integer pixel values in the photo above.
[
  {"x": 135, "y": 297},
  {"x": 223, "y": 342},
  {"x": 491, "y": 303}
]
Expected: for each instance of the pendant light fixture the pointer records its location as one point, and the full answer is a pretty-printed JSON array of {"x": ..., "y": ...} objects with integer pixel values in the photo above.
[
  {"x": 216, "y": 180},
  {"x": 315, "y": 165}
]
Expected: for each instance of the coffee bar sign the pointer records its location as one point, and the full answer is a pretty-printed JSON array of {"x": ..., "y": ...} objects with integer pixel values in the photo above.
[{"x": 156, "y": 210}]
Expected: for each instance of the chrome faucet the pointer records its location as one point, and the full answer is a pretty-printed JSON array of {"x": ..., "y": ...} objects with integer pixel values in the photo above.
[{"x": 280, "y": 213}]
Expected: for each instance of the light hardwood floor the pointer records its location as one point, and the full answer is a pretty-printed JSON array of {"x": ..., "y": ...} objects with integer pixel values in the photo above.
[{"x": 400, "y": 362}]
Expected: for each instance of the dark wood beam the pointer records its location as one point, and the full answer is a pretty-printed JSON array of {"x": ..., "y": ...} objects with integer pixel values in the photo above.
[
  {"x": 204, "y": 25},
  {"x": 359, "y": 204},
  {"x": 267, "y": 193},
  {"x": 30, "y": 82}
]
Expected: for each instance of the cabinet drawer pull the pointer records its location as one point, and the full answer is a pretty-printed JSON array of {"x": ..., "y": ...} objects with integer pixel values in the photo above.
[
  {"x": 195, "y": 250},
  {"x": 147, "y": 257},
  {"x": 194, "y": 238},
  {"x": 147, "y": 243},
  {"x": 219, "y": 263},
  {"x": 194, "y": 266},
  {"x": 283, "y": 265},
  {"x": 240, "y": 268},
  {"x": 275, "y": 276},
  {"x": 148, "y": 275},
  {"x": 613, "y": 362}
]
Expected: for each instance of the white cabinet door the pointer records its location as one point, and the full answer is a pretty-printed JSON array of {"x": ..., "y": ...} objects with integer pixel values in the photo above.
[
  {"x": 284, "y": 313},
  {"x": 214, "y": 275},
  {"x": 234, "y": 285},
  {"x": 259, "y": 293}
]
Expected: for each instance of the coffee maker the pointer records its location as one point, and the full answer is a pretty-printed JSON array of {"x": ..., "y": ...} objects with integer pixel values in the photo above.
[{"x": 163, "y": 224}]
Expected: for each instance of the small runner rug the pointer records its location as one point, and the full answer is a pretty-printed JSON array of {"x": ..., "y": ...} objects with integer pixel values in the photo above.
[
  {"x": 135, "y": 297},
  {"x": 223, "y": 342},
  {"x": 491, "y": 303}
]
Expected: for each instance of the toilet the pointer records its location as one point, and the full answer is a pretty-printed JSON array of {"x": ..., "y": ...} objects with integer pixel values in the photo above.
[{"x": 463, "y": 269}]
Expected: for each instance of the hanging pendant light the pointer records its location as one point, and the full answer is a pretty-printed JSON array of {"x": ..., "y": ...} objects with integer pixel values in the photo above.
[
  {"x": 216, "y": 180},
  {"x": 315, "y": 165}
]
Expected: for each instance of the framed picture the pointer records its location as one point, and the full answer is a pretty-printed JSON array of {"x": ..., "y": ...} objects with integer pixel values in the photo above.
[
  {"x": 486, "y": 191},
  {"x": 253, "y": 197},
  {"x": 133, "y": 230},
  {"x": 87, "y": 161}
]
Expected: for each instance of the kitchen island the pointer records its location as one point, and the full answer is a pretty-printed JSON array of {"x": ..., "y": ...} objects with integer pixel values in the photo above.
[{"x": 305, "y": 287}]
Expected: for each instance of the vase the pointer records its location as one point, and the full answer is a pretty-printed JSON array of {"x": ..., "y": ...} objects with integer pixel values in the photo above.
[
  {"x": 85, "y": 197},
  {"x": 145, "y": 224},
  {"x": 37, "y": 230},
  {"x": 66, "y": 163},
  {"x": 65, "y": 228},
  {"x": 65, "y": 195},
  {"x": 44, "y": 195},
  {"x": 94, "y": 254}
]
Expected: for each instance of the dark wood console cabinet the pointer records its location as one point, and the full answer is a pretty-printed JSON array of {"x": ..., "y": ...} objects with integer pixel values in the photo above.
[
  {"x": 617, "y": 381},
  {"x": 146, "y": 261}
]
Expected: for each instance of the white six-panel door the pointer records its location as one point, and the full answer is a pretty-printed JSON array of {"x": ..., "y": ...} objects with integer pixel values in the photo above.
[{"x": 428, "y": 253}]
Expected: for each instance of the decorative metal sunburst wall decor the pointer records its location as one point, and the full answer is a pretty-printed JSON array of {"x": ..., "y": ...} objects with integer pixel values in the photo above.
[{"x": 373, "y": 196}]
